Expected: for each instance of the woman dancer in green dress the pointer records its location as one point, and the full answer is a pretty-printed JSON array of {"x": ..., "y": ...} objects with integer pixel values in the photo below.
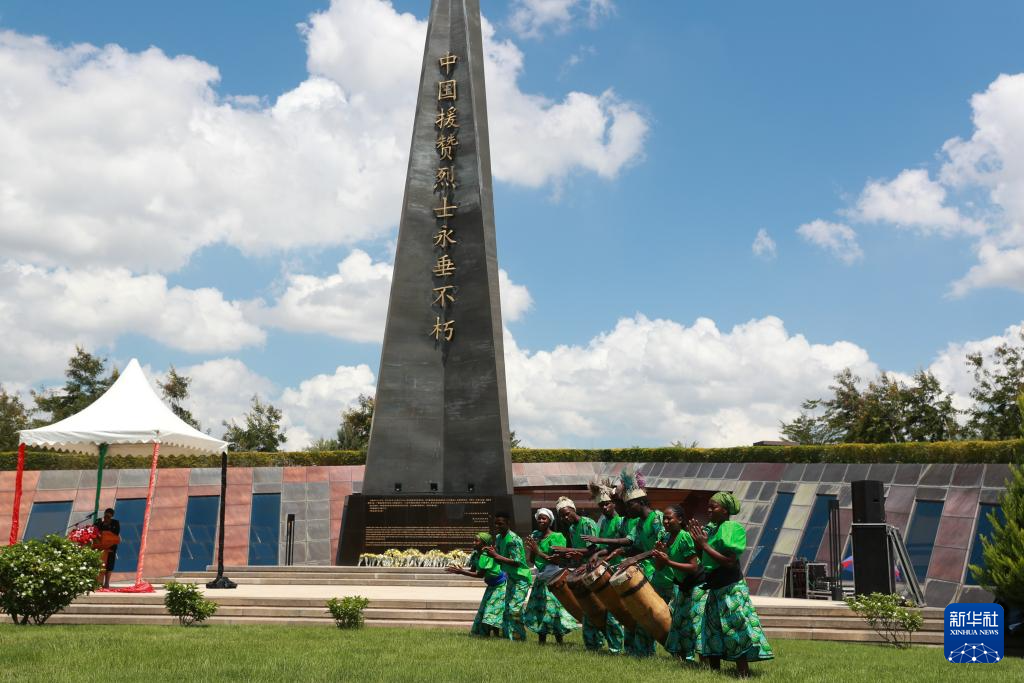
[
  {"x": 509, "y": 552},
  {"x": 680, "y": 557},
  {"x": 732, "y": 629},
  {"x": 491, "y": 613},
  {"x": 544, "y": 614}
]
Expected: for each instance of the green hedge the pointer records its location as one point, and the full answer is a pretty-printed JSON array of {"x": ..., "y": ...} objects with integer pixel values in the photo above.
[{"x": 947, "y": 451}]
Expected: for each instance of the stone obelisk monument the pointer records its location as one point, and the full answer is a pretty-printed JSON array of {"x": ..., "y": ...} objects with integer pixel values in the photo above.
[{"x": 439, "y": 454}]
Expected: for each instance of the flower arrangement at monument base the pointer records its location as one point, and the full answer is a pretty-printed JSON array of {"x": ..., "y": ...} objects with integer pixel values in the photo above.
[
  {"x": 413, "y": 557},
  {"x": 84, "y": 535}
]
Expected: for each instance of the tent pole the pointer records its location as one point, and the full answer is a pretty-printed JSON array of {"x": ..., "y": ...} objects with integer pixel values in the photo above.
[
  {"x": 222, "y": 581},
  {"x": 139, "y": 583},
  {"x": 16, "y": 513},
  {"x": 99, "y": 482}
]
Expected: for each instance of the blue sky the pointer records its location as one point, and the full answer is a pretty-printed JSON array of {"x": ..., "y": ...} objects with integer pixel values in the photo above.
[{"x": 825, "y": 127}]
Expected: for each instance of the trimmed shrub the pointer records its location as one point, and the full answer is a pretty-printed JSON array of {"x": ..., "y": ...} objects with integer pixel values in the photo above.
[
  {"x": 889, "y": 616},
  {"x": 40, "y": 578},
  {"x": 994, "y": 452},
  {"x": 348, "y": 612},
  {"x": 183, "y": 600}
]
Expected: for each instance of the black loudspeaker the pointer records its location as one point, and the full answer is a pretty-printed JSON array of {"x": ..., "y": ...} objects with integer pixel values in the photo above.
[
  {"x": 872, "y": 560},
  {"x": 868, "y": 501}
]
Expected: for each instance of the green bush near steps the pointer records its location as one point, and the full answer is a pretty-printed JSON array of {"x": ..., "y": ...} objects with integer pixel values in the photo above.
[
  {"x": 186, "y": 602},
  {"x": 39, "y": 578},
  {"x": 963, "y": 452},
  {"x": 348, "y": 611}
]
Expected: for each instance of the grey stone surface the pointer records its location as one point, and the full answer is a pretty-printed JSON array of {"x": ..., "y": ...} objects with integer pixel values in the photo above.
[
  {"x": 813, "y": 471},
  {"x": 758, "y": 513},
  {"x": 734, "y": 471},
  {"x": 996, "y": 475},
  {"x": 128, "y": 478},
  {"x": 293, "y": 493},
  {"x": 266, "y": 475},
  {"x": 204, "y": 476},
  {"x": 318, "y": 552},
  {"x": 834, "y": 472},
  {"x": 937, "y": 474},
  {"x": 845, "y": 496},
  {"x": 87, "y": 480},
  {"x": 939, "y": 593},
  {"x": 50, "y": 480},
  {"x": 318, "y": 509},
  {"x": 441, "y": 413},
  {"x": 857, "y": 472},
  {"x": 767, "y": 490},
  {"x": 786, "y": 486},
  {"x": 719, "y": 470},
  {"x": 754, "y": 491},
  {"x": 770, "y": 587},
  {"x": 990, "y": 496},
  {"x": 266, "y": 488},
  {"x": 907, "y": 474},
  {"x": 318, "y": 490},
  {"x": 931, "y": 493},
  {"x": 883, "y": 472},
  {"x": 776, "y": 568},
  {"x": 974, "y": 594},
  {"x": 705, "y": 470},
  {"x": 793, "y": 472},
  {"x": 318, "y": 529}
]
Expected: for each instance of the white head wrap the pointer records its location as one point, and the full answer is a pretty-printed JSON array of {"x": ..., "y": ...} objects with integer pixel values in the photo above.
[
  {"x": 545, "y": 512},
  {"x": 564, "y": 502}
]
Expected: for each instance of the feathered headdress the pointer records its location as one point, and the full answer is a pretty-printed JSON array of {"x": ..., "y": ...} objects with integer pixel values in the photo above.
[
  {"x": 633, "y": 483},
  {"x": 601, "y": 490}
]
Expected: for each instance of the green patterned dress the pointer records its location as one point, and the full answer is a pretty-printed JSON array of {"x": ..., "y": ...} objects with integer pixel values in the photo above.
[
  {"x": 645, "y": 534},
  {"x": 544, "y": 614},
  {"x": 684, "y": 638},
  {"x": 732, "y": 629},
  {"x": 610, "y": 528},
  {"x": 491, "y": 612},
  {"x": 517, "y": 587}
]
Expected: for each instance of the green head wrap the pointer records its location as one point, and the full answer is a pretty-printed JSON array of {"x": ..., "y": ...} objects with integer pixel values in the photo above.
[
  {"x": 485, "y": 537},
  {"x": 730, "y": 502}
]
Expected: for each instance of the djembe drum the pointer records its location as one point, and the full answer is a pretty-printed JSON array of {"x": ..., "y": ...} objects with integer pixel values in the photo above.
[
  {"x": 560, "y": 589},
  {"x": 597, "y": 613},
  {"x": 599, "y": 582},
  {"x": 642, "y": 601}
]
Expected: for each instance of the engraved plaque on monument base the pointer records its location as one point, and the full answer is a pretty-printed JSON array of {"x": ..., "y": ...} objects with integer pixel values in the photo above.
[{"x": 373, "y": 524}]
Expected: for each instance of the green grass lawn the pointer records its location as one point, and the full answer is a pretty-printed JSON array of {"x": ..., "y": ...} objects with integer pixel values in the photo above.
[{"x": 281, "y": 653}]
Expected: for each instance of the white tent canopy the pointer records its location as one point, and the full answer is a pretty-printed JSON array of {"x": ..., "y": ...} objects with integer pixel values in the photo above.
[{"x": 129, "y": 417}]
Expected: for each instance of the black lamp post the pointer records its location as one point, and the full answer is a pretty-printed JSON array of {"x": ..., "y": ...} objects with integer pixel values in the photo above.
[{"x": 222, "y": 581}]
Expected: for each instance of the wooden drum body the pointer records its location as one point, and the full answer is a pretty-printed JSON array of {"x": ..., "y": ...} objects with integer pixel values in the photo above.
[
  {"x": 597, "y": 613},
  {"x": 560, "y": 589},
  {"x": 643, "y": 602},
  {"x": 600, "y": 583}
]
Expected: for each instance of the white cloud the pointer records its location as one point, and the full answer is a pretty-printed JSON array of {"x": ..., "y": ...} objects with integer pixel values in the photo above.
[
  {"x": 996, "y": 267},
  {"x": 349, "y": 304},
  {"x": 314, "y": 408},
  {"x": 913, "y": 200},
  {"x": 47, "y": 312},
  {"x": 950, "y": 365},
  {"x": 530, "y": 18},
  {"x": 837, "y": 238},
  {"x": 764, "y": 246},
  {"x": 353, "y": 302},
  {"x": 650, "y": 382},
  {"x": 221, "y": 391},
  {"x": 105, "y": 153}
]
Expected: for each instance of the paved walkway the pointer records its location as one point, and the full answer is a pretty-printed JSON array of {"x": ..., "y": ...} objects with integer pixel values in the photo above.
[{"x": 431, "y": 593}]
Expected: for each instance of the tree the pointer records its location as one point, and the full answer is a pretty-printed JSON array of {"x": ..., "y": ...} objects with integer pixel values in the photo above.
[
  {"x": 13, "y": 416},
  {"x": 85, "y": 383},
  {"x": 513, "y": 442},
  {"x": 888, "y": 410},
  {"x": 996, "y": 413},
  {"x": 354, "y": 432},
  {"x": 322, "y": 445},
  {"x": 1003, "y": 549},
  {"x": 262, "y": 430},
  {"x": 175, "y": 391}
]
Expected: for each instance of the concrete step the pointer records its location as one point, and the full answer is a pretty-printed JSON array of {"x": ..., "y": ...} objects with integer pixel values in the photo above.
[
  {"x": 850, "y": 623},
  {"x": 287, "y": 581},
  {"x": 114, "y": 602},
  {"x": 465, "y": 615},
  {"x": 138, "y": 619},
  {"x": 419, "y": 575}
]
